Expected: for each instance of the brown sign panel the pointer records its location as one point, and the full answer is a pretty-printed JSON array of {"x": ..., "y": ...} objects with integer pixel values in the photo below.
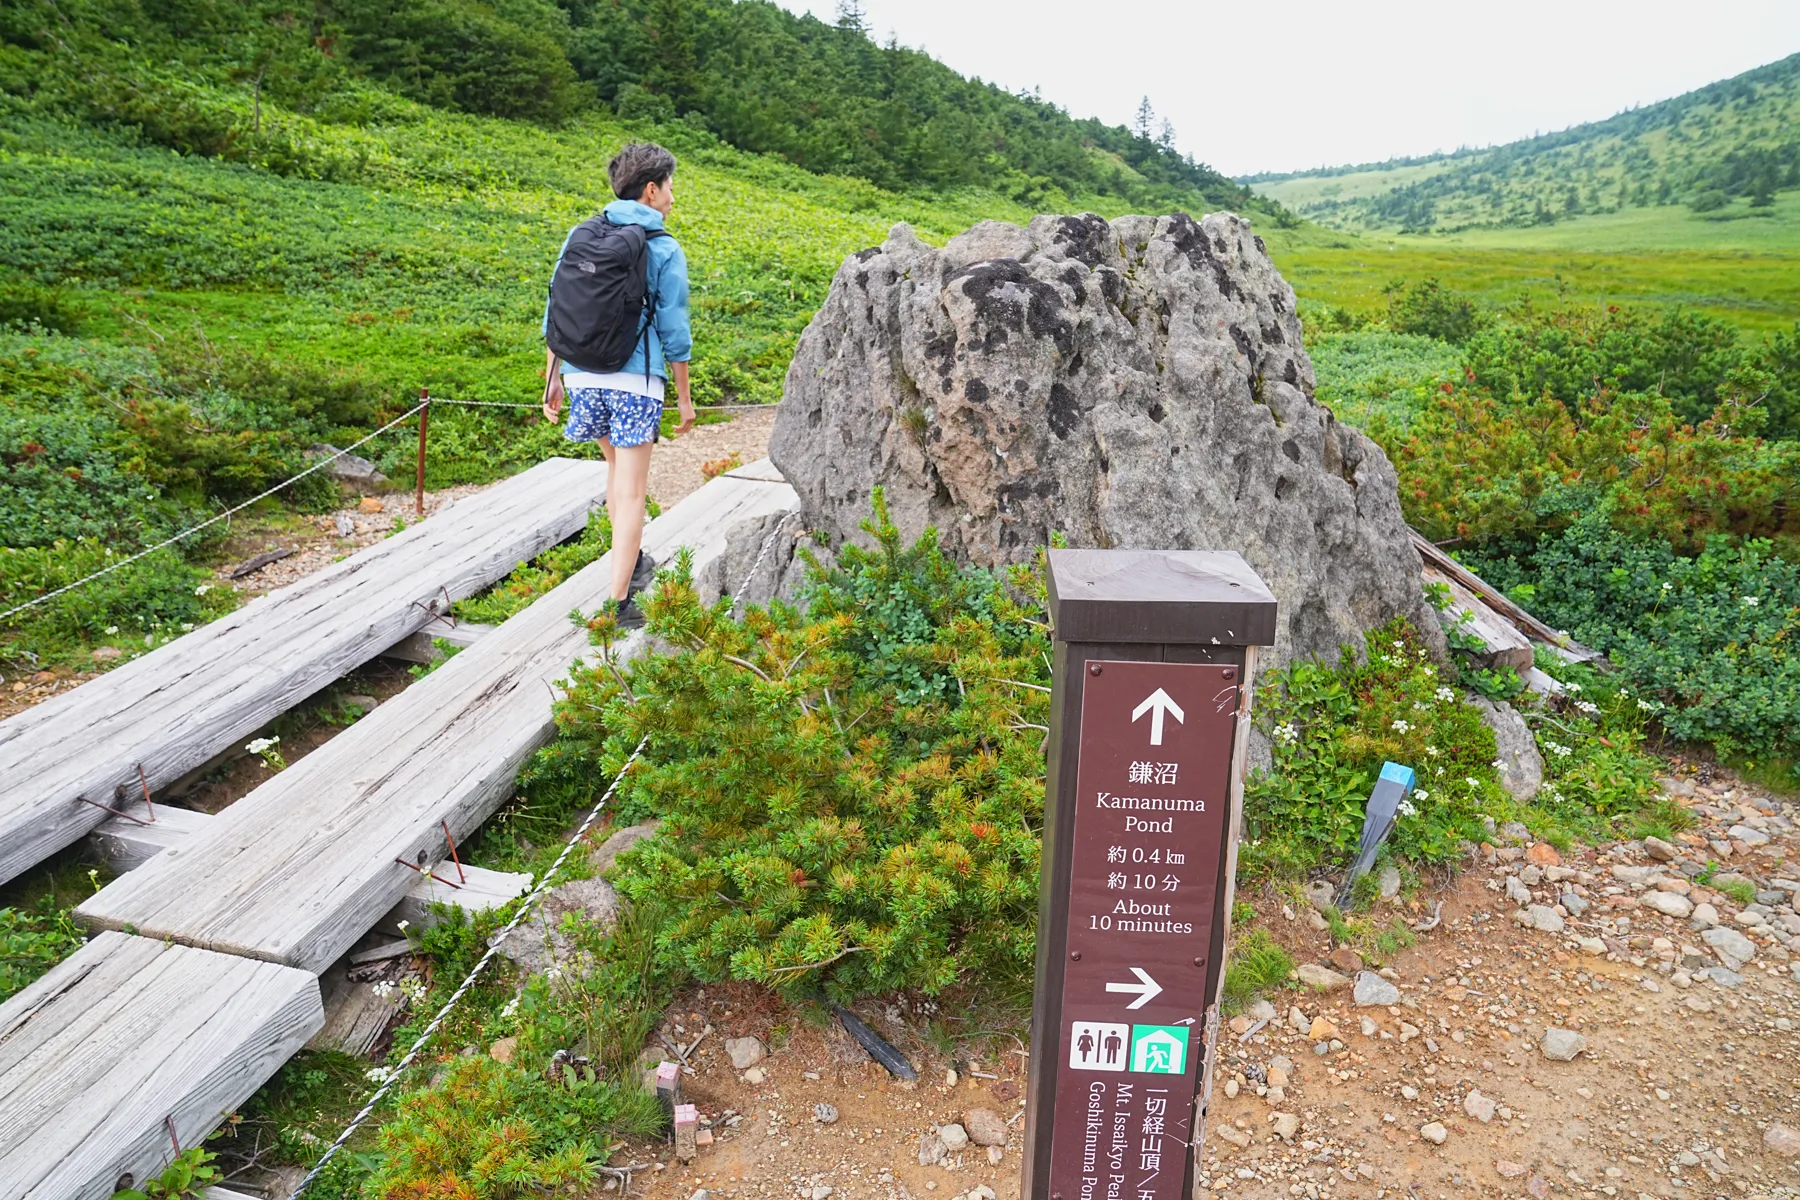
[{"x": 1152, "y": 801}]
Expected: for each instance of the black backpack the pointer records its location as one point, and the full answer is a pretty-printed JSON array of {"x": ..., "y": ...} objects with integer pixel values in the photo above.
[{"x": 600, "y": 295}]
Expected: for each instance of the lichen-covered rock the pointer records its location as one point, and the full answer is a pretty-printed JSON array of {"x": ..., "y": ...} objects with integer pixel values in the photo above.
[{"x": 1138, "y": 383}]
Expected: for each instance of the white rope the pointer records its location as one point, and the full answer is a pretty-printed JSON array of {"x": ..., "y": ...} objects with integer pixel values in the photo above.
[
  {"x": 213, "y": 520},
  {"x": 737, "y": 598},
  {"x": 475, "y": 972}
]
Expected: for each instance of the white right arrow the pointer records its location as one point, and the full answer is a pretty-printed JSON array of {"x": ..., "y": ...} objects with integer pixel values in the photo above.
[
  {"x": 1156, "y": 704},
  {"x": 1146, "y": 988}
]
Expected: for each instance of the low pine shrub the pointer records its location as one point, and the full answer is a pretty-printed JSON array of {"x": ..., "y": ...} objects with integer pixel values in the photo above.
[{"x": 850, "y": 799}]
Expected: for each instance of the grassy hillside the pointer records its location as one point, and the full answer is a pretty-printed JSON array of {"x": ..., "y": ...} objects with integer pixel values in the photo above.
[{"x": 1716, "y": 156}]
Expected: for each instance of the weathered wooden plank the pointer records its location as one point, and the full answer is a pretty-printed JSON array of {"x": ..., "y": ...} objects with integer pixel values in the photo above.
[
  {"x": 299, "y": 869},
  {"x": 126, "y": 845},
  {"x": 761, "y": 470},
  {"x": 174, "y": 708},
  {"x": 125, "y": 1036},
  {"x": 1505, "y": 645},
  {"x": 1530, "y": 626}
]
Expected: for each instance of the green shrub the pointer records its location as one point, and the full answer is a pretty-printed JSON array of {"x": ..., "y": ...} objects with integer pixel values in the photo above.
[
  {"x": 1257, "y": 965},
  {"x": 1375, "y": 375},
  {"x": 1709, "y": 645},
  {"x": 1331, "y": 728},
  {"x": 32, "y": 941},
  {"x": 1432, "y": 310},
  {"x": 185, "y": 1178},
  {"x": 831, "y": 818}
]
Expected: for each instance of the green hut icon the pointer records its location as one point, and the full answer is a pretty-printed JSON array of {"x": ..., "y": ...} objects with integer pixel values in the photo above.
[{"x": 1159, "y": 1049}]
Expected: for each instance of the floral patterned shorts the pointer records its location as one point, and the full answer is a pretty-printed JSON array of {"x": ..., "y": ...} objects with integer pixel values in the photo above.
[{"x": 623, "y": 418}]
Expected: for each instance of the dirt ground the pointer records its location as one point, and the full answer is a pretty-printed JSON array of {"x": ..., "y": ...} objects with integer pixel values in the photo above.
[{"x": 1687, "y": 1075}]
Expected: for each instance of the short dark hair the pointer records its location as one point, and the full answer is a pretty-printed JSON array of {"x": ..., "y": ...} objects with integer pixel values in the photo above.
[{"x": 637, "y": 166}]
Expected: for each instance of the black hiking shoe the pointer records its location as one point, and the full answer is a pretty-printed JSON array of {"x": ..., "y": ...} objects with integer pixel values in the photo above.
[
  {"x": 643, "y": 574},
  {"x": 629, "y": 615}
]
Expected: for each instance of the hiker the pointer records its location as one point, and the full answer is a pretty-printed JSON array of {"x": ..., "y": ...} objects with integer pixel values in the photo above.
[{"x": 615, "y": 329}]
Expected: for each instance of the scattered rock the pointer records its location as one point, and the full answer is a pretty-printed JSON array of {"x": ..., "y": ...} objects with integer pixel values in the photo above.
[
  {"x": 1543, "y": 854},
  {"x": 369, "y": 504},
  {"x": 1747, "y": 836},
  {"x": 1435, "y": 1133},
  {"x": 1389, "y": 882},
  {"x": 996, "y": 1155},
  {"x": 1574, "y": 904},
  {"x": 1782, "y": 1140},
  {"x": 1286, "y": 1125},
  {"x": 1660, "y": 850},
  {"x": 347, "y": 468},
  {"x": 985, "y": 1127},
  {"x": 617, "y": 843},
  {"x": 755, "y": 1076},
  {"x": 1298, "y": 1021},
  {"x": 825, "y": 1114},
  {"x": 1517, "y": 892},
  {"x": 1723, "y": 977},
  {"x": 1236, "y": 1137},
  {"x": 1262, "y": 1010},
  {"x": 1542, "y": 917},
  {"x": 1562, "y": 1045},
  {"x": 504, "y": 1049},
  {"x": 108, "y": 654},
  {"x": 1479, "y": 1106},
  {"x": 932, "y": 1149},
  {"x": 954, "y": 1136},
  {"x": 1277, "y": 1076},
  {"x": 1322, "y": 978},
  {"x": 540, "y": 940},
  {"x": 1705, "y": 916},
  {"x": 1321, "y": 895},
  {"x": 1521, "y": 766},
  {"x": 1508, "y": 1170},
  {"x": 343, "y": 523},
  {"x": 1669, "y": 904},
  {"x": 1373, "y": 991},
  {"x": 1322, "y": 1029},
  {"x": 745, "y": 1052},
  {"x": 1730, "y": 945}
]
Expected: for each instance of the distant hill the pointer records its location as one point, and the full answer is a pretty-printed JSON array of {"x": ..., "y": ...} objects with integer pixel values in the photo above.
[
  {"x": 825, "y": 97},
  {"x": 1723, "y": 151}
]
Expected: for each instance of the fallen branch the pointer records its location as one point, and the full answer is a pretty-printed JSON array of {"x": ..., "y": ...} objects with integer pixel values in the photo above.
[
  {"x": 821, "y": 963},
  {"x": 1436, "y": 919}
]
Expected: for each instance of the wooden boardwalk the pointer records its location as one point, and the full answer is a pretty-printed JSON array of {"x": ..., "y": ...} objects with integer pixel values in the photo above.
[
  {"x": 298, "y": 870},
  {"x": 126, "y": 1040},
  {"x": 174, "y": 708}
]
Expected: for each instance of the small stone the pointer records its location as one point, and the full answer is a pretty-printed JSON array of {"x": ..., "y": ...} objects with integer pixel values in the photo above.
[
  {"x": 503, "y": 1050},
  {"x": 1323, "y": 979},
  {"x": 755, "y": 1076},
  {"x": 1275, "y": 1097},
  {"x": 985, "y": 1127},
  {"x": 996, "y": 1155},
  {"x": 1531, "y": 876},
  {"x": 744, "y": 1051},
  {"x": 1372, "y": 991},
  {"x": 821, "y": 1192},
  {"x": 1389, "y": 883},
  {"x": 343, "y": 523},
  {"x": 1368, "y": 1026},
  {"x": 825, "y": 1114},
  {"x": 1262, "y": 1010},
  {"x": 1660, "y": 850},
  {"x": 369, "y": 504},
  {"x": 1278, "y": 1077},
  {"x": 1236, "y": 1137},
  {"x": 700, "y": 1194},
  {"x": 1322, "y": 1030},
  {"x": 954, "y": 1136},
  {"x": 1320, "y": 894},
  {"x": 1724, "y": 978},
  {"x": 1572, "y": 904},
  {"x": 1562, "y": 1045},
  {"x": 1747, "y": 836},
  {"x": 950, "y": 1077},
  {"x": 108, "y": 653},
  {"x": 1517, "y": 892},
  {"x": 932, "y": 1149},
  {"x": 1730, "y": 945},
  {"x": 1408, "y": 1032},
  {"x": 1704, "y": 916},
  {"x": 1408, "y": 1092},
  {"x": 1298, "y": 1021},
  {"x": 1231, "y": 1089},
  {"x": 1544, "y": 855},
  {"x": 1669, "y": 904},
  {"x": 1594, "y": 946},
  {"x": 1782, "y": 1140},
  {"x": 1434, "y": 1133},
  {"x": 1508, "y": 1170},
  {"x": 1544, "y": 918},
  {"x": 1286, "y": 1126},
  {"x": 1479, "y": 1106}
]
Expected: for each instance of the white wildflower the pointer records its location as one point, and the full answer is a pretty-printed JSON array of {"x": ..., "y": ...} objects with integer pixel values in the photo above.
[
  {"x": 378, "y": 1074},
  {"x": 202, "y": 589},
  {"x": 1421, "y": 706},
  {"x": 512, "y": 1006},
  {"x": 1402, "y": 726},
  {"x": 1648, "y": 705},
  {"x": 1472, "y": 781},
  {"x": 111, "y": 629},
  {"x": 402, "y": 926},
  {"x": 187, "y": 627},
  {"x": 1432, "y": 751},
  {"x": 1407, "y": 809},
  {"x": 262, "y": 744},
  {"x": 1557, "y": 748},
  {"x": 1587, "y": 706},
  {"x": 1572, "y": 687},
  {"x": 1752, "y": 601},
  {"x": 1421, "y": 794},
  {"x": 1445, "y": 694},
  {"x": 1286, "y": 733},
  {"x": 383, "y": 989}
]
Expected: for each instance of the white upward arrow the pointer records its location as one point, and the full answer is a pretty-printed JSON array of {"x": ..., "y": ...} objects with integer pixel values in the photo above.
[
  {"x": 1146, "y": 988},
  {"x": 1156, "y": 704}
]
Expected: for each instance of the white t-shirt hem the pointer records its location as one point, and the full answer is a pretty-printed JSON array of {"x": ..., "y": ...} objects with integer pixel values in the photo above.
[{"x": 634, "y": 382}]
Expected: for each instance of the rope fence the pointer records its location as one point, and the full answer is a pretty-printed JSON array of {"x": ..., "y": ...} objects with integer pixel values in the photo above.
[{"x": 421, "y": 410}]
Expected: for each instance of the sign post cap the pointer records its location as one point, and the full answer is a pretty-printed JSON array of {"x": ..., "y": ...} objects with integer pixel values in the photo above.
[{"x": 1186, "y": 597}]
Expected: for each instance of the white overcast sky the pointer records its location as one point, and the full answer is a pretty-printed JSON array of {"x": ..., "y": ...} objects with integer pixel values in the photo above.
[{"x": 1305, "y": 83}]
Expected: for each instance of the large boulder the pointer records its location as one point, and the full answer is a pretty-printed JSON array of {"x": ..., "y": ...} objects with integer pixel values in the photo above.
[{"x": 1133, "y": 383}]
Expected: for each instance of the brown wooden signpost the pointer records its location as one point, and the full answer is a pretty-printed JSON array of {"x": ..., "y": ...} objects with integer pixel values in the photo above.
[{"x": 1154, "y": 656}]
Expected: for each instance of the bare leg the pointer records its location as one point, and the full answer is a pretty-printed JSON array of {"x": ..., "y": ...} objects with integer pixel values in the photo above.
[
  {"x": 625, "y": 485},
  {"x": 612, "y": 475}
]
